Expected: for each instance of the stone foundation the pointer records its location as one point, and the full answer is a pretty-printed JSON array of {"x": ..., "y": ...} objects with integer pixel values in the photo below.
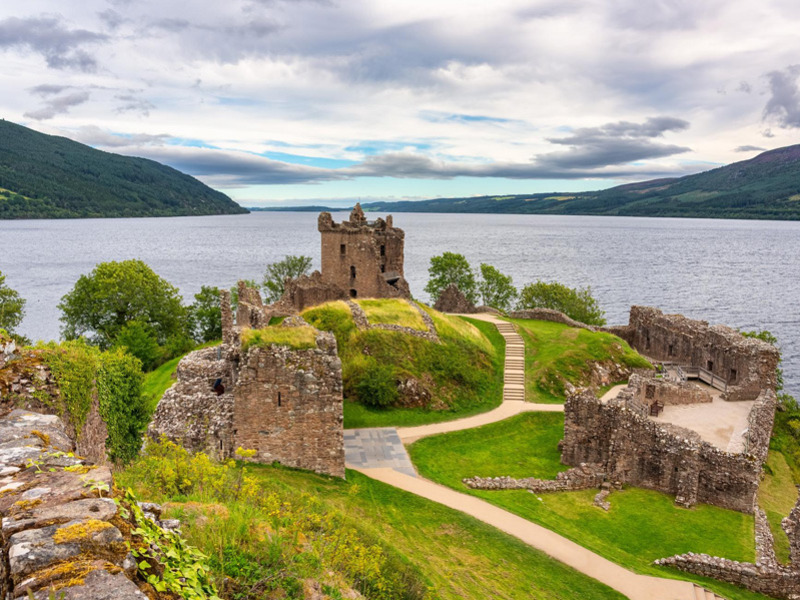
[{"x": 580, "y": 478}]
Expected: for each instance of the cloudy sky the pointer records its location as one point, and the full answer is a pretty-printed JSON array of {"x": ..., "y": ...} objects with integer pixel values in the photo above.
[{"x": 321, "y": 101}]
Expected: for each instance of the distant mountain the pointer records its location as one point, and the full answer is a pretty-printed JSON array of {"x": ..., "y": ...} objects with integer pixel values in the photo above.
[
  {"x": 50, "y": 177},
  {"x": 764, "y": 187}
]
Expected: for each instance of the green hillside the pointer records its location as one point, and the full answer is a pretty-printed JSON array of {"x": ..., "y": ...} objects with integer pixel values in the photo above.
[
  {"x": 50, "y": 177},
  {"x": 764, "y": 187}
]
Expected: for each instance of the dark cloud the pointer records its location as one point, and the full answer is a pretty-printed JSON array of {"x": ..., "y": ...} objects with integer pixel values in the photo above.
[
  {"x": 49, "y": 89},
  {"x": 58, "y": 105},
  {"x": 783, "y": 106},
  {"x": 133, "y": 103},
  {"x": 749, "y": 149},
  {"x": 62, "y": 48},
  {"x": 614, "y": 144}
]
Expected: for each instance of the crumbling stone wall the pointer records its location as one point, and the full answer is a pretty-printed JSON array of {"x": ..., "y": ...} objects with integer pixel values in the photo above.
[
  {"x": 630, "y": 448},
  {"x": 288, "y": 406},
  {"x": 582, "y": 477},
  {"x": 365, "y": 259},
  {"x": 56, "y": 531},
  {"x": 284, "y": 403},
  {"x": 452, "y": 300},
  {"x": 747, "y": 364},
  {"x": 649, "y": 390}
]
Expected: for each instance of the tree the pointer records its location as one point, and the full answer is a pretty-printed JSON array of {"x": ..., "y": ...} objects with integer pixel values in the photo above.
[
  {"x": 12, "y": 307},
  {"x": 116, "y": 293},
  {"x": 577, "y": 304},
  {"x": 138, "y": 340},
  {"x": 496, "y": 289},
  {"x": 205, "y": 316},
  {"x": 451, "y": 268},
  {"x": 290, "y": 267}
]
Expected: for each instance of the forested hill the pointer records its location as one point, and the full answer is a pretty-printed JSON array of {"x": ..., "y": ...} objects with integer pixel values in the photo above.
[
  {"x": 764, "y": 187},
  {"x": 49, "y": 177}
]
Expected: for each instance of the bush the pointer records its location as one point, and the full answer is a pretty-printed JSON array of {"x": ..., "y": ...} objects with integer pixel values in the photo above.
[
  {"x": 138, "y": 340},
  {"x": 12, "y": 307},
  {"x": 81, "y": 370},
  {"x": 377, "y": 386},
  {"x": 578, "y": 304},
  {"x": 451, "y": 268}
]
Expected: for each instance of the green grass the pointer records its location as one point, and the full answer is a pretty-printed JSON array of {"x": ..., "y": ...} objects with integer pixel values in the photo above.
[
  {"x": 297, "y": 338},
  {"x": 391, "y": 311},
  {"x": 777, "y": 496},
  {"x": 462, "y": 374},
  {"x": 641, "y": 526},
  {"x": 458, "y": 557},
  {"x": 159, "y": 380},
  {"x": 556, "y": 354}
]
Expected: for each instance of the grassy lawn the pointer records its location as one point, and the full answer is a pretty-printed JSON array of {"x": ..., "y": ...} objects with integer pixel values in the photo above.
[
  {"x": 777, "y": 496},
  {"x": 455, "y": 556},
  {"x": 159, "y": 380},
  {"x": 392, "y": 312},
  {"x": 463, "y": 374},
  {"x": 556, "y": 354},
  {"x": 641, "y": 526}
]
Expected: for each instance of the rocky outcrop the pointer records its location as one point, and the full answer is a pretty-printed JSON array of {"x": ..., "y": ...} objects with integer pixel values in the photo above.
[
  {"x": 453, "y": 300},
  {"x": 59, "y": 527}
]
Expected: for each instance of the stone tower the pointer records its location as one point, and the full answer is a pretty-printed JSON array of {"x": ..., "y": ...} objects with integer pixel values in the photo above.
[{"x": 363, "y": 258}]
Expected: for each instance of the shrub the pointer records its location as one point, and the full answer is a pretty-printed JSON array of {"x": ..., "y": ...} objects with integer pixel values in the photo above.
[
  {"x": 377, "y": 386},
  {"x": 138, "y": 340},
  {"x": 451, "y": 268}
]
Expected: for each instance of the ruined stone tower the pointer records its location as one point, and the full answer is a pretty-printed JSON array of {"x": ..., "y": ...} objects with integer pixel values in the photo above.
[{"x": 363, "y": 258}]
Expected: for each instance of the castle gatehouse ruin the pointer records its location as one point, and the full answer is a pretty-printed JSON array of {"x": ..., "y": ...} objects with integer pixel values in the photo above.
[{"x": 283, "y": 401}]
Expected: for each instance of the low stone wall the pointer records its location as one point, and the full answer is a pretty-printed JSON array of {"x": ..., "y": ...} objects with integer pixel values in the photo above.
[
  {"x": 649, "y": 390},
  {"x": 362, "y": 322},
  {"x": 547, "y": 314},
  {"x": 760, "y": 422},
  {"x": 56, "y": 530},
  {"x": 579, "y": 478}
]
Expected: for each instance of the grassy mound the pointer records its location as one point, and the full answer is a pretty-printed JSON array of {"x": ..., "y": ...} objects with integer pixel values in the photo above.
[
  {"x": 395, "y": 378},
  {"x": 297, "y": 338},
  {"x": 641, "y": 526},
  {"x": 777, "y": 495},
  {"x": 267, "y": 530},
  {"x": 556, "y": 354}
]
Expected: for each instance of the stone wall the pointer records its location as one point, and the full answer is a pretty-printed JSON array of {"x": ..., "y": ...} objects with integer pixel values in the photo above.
[
  {"x": 747, "y": 364},
  {"x": 56, "y": 531},
  {"x": 630, "y": 448},
  {"x": 452, "y": 300},
  {"x": 288, "y": 406},
  {"x": 579, "y": 478},
  {"x": 362, "y": 258},
  {"x": 650, "y": 390}
]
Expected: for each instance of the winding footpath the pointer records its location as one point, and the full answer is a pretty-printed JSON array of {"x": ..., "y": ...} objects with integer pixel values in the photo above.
[{"x": 384, "y": 459}]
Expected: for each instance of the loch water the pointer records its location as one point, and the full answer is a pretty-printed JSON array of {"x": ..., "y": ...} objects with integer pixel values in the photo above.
[{"x": 745, "y": 274}]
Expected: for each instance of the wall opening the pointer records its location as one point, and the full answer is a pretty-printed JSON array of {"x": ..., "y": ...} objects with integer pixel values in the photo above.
[
  {"x": 279, "y": 398},
  {"x": 383, "y": 250},
  {"x": 383, "y": 268},
  {"x": 710, "y": 365},
  {"x": 353, "y": 293},
  {"x": 343, "y": 249},
  {"x": 352, "y": 271},
  {"x": 671, "y": 350},
  {"x": 733, "y": 376}
]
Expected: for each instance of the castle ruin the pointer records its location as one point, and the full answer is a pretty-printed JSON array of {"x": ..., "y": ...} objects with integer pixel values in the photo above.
[{"x": 282, "y": 402}]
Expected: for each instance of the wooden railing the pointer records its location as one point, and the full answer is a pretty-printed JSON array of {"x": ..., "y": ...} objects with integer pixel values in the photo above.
[{"x": 703, "y": 375}]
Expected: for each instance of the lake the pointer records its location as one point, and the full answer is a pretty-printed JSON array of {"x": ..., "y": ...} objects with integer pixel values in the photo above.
[{"x": 740, "y": 273}]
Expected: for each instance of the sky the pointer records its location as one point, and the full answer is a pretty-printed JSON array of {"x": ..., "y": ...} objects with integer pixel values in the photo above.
[{"x": 295, "y": 102}]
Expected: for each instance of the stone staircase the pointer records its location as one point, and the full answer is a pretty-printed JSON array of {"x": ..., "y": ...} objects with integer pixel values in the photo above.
[
  {"x": 514, "y": 381},
  {"x": 700, "y": 593}
]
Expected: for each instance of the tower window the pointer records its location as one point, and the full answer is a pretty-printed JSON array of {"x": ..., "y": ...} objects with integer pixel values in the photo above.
[
  {"x": 383, "y": 250},
  {"x": 279, "y": 398},
  {"x": 383, "y": 268},
  {"x": 352, "y": 271},
  {"x": 353, "y": 293},
  {"x": 343, "y": 249}
]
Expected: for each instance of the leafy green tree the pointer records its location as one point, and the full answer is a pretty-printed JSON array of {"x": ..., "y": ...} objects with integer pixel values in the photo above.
[
  {"x": 116, "y": 293},
  {"x": 578, "y": 304},
  {"x": 448, "y": 268},
  {"x": 205, "y": 316},
  {"x": 137, "y": 339},
  {"x": 12, "y": 307},
  {"x": 496, "y": 289},
  {"x": 276, "y": 274}
]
